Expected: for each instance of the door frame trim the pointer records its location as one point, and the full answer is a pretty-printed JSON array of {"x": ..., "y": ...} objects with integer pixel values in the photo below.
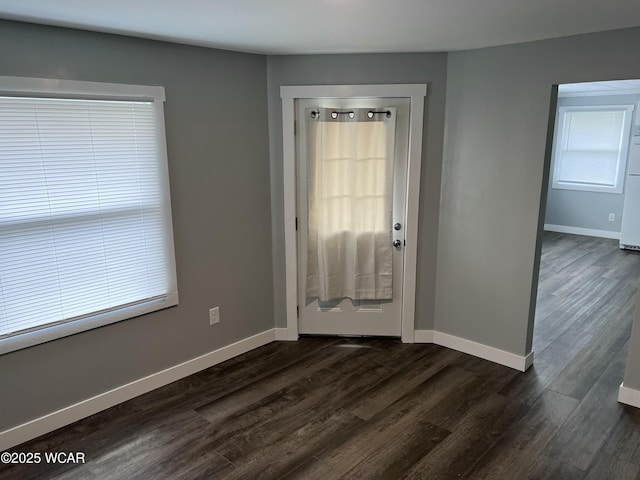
[{"x": 416, "y": 93}]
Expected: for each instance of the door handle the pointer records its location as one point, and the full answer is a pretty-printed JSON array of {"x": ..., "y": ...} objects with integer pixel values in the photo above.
[{"x": 397, "y": 243}]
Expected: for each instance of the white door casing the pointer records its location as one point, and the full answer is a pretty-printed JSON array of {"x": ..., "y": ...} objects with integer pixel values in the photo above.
[{"x": 416, "y": 94}]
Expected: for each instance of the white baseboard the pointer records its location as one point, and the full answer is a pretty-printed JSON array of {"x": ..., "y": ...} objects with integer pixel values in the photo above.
[
  {"x": 629, "y": 396},
  {"x": 589, "y": 232},
  {"x": 463, "y": 345},
  {"x": 285, "y": 334},
  {"x": 423, "y": 336},
  {"x": 65, "y": 416}
]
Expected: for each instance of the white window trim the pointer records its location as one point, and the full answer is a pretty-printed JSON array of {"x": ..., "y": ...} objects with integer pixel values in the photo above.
[
  {"x": 79, "y": 89},
  {"x": 56, "y": 88},
  {"x": 622, "y": 158}
]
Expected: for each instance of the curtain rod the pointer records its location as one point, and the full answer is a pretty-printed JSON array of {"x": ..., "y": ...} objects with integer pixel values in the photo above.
[{"x": 351, "y": 113}]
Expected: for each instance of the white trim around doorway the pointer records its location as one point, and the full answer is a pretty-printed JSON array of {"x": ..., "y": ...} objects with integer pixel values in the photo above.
[{"x": 417, "y": 94}]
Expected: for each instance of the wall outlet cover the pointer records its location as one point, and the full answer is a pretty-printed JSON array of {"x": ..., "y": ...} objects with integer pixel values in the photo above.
[{"x": 214, "y": 315}]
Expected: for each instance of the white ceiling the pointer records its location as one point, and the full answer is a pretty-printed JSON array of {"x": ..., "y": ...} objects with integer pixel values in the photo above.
[{"x": 333, "y": 26}]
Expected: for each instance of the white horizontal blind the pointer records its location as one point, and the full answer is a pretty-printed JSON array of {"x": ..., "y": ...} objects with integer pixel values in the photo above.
[
  {"x": 83, "y": 210},
  {"x": 590, "y": 147}
]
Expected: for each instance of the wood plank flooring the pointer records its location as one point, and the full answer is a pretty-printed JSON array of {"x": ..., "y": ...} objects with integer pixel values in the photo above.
[{"x": 328, "y": 408}]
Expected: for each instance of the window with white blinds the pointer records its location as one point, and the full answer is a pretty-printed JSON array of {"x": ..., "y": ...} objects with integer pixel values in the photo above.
[
  {"x": 85, "y": 221},
  {"x": 591, "y": 148}
]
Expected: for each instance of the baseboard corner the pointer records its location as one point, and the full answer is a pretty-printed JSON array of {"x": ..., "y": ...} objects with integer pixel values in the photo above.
[
  {"x": 285, "y": 334},
  {"x": 528, "y": 361},
  {"x": 629, "y": 396},
  {"x": 423, "y": 336},
  {"x": 496, "y": 355}
]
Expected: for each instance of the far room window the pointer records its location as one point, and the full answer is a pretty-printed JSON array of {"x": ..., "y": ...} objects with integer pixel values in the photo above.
[
  {"x": 591, "y": 148},
  {"x": 85, "y": 219}
]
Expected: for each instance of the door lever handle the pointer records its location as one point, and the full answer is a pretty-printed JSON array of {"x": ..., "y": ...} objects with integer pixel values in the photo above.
[{"x": 397, "y": 243}]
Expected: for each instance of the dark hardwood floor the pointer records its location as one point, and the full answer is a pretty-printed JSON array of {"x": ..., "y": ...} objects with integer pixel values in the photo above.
[{"x": 327, "y": 408}]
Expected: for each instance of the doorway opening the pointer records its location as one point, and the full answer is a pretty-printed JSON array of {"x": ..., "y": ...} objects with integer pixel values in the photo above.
[{"x": 588, "y": 266}]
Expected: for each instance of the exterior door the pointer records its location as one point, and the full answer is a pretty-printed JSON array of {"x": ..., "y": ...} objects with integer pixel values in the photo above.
[{"x": 347, "y": 316}]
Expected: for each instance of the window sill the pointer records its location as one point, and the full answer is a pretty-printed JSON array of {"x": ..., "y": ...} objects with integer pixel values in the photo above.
[
  {"x": 54, "y": 332},
  {"x": 586, "y": 188}
]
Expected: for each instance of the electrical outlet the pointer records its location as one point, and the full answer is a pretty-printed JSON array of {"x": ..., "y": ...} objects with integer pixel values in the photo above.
[
  {"x": 612, "y": 217},
  {"x": 214, "y": 315}
]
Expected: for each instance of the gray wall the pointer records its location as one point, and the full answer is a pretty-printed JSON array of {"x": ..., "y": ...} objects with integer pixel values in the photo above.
[
  {"x": 576, "y": 208},
  {"x": 427, "y": 68},
  {"x": 493, "y": 168},
  {"x": 216, "y": 123},
  {"x": 632, "y": 370}
]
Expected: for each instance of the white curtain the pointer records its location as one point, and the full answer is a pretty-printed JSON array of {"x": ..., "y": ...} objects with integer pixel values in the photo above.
[{"x": 350, "y": 201}]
